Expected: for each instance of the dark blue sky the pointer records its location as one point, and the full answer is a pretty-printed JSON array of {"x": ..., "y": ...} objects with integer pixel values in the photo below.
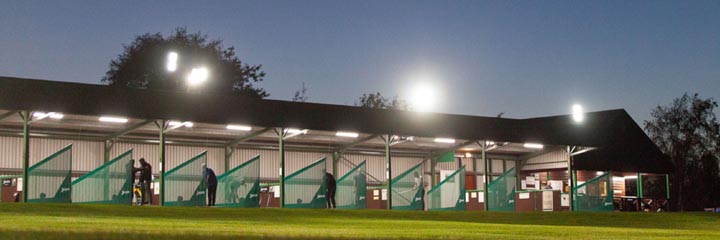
[{"x": 526, "y": 58}]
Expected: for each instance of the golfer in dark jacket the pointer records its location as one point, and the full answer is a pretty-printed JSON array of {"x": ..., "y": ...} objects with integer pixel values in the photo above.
[
  {"x": 212, "y": 182},
  {"x": 331, "y": 186},
  {"x": 145, "y": 180}
]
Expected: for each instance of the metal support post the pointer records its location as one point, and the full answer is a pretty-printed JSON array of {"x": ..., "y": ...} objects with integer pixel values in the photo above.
[
  {"x": 281, "y": 156},
  {"x": 26, "y": 117},
  {"x": 162, "y": 124},
  {"x": 486, "y": 178},
  {"x": 388, "y": 170}
]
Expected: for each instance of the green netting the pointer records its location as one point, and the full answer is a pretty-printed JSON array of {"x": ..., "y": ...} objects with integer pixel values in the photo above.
[
  {"x": 408, "y": 190},
  {"x": 449, "y": 194},
  {"x": 240, "y": 186},
  {"x": 594, "y": 195},
  {"x": 501, "y": 192},
  {"x": 185, "y": 184},
  {"x": 351, "y": 188},
  {"x": 306, "y": 187},
  {"x": 110, "y": 183},
  {"x": 49, "y": 181}
]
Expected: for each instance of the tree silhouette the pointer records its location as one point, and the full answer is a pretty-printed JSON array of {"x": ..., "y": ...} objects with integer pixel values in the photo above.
[
  {"x": 301, "y": 95},
  {"x": 143, "y": 65},
  {"x": 376, "y": 100},
  {"x": 689, "y": 133}
]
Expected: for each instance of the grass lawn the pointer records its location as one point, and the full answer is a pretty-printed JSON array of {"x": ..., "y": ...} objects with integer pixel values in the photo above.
[{"x": 75, "y": 221}]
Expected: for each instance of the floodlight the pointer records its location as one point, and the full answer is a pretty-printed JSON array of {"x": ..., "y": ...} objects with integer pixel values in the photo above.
[
  {"x": 172, "y": 61},
  {"x": 577, "y": 113},
  {"x": 347, "y": 134},
  {"x": 423, "y": 98},
  {"x": 178, "y": 123},
  {"x": 296, "y": 131},
  {"x": 533, "y": 145},
  {"x": 197, "y": 76},
  {"x": 444, "y": 140},
  {"x": 239, "y": 127},
  {"x": 113, "y": 119}
]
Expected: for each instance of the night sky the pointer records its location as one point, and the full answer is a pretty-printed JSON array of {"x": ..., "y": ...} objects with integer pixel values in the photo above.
[{"x": 525, "y": 58}]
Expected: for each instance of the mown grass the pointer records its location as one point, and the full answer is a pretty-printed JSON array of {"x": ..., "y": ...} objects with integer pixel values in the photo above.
[{"x": 74, "y": 221}]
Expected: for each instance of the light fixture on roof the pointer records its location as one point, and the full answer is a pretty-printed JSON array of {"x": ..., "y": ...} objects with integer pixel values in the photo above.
[
  {"x": 172, "y": 61},
  {"x": 53, "y": 115},
  {"x": 577, "y": 113},
  {"x": 197, "y": 76},
  {"x": 533, "y": 145},
  {"x": 347, "y": 134},
  {"x": 296, "y": 131},
  {"x": 113, "y": 119},
  {"x": 630, "y": 177},
  {"x": 444, "y": 140},
  {"x": 468, "y": 155},
  {"x": 178, "y": 123},
  {"x": 238, "y": 127},
  {"x": 599, "y": 173}
]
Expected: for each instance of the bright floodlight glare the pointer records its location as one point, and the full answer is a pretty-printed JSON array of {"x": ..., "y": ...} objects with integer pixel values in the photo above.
[
  {"x": 599, "y": 173},
  {"x": 172, "y": 61},
  {"x": 533, "y": 145},
  {"x": 347, "y": 134},
  {"x": 178, "y": 123},
  {"x": 238, "y": 127},
  {"x": 577, "y": 113},
  {"x": 197, "y": 76},
  {"x": 630, "y": 177},
  {"x": 296, "y": 131},
  {"x": 53, "y": 115},
  {"x": 468, "y": 155},
  {"x": 113, "y": 119},
  {"x": 423, "y": 98},
  {"x": 444, "y": 140}
]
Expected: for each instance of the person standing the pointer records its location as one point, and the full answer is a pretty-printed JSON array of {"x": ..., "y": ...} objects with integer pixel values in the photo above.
[
  {"x": 331, "y": 186},
  {"x": 146, "y": 180},
  {"x": 211, "y": 180}
]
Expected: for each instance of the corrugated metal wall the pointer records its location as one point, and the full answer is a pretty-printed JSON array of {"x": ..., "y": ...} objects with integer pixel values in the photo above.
[
  {"x": 552, "y": 160},
  {"x": 10, "y": 152},
  {"x": 88, "y": 155}
]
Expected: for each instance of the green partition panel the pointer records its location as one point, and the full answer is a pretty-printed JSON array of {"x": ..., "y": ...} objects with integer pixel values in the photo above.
[
  {"x": 49, "y": 181},
  {"x": 240, "y": 186},
  {"x": 351, "y": 188},
  {"x": 408, "y": 189},
  {"x": 595, "y": 195},
  {"x": 185, "y": 184},
  {"x": 449, "y": 194},
  {"x": 306, "y": 187},
  {"x": 110, "y": 183},
  {"x": 501, "y": 192}
]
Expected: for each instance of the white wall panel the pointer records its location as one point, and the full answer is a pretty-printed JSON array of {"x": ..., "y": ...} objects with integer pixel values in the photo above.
[
  {"x": 551, "y": 160},
  {"x": 86, "y": 155},
  {"x": 269, "y": 165},
  {"x": 178, "y": 154},
  {"x": 140, "y": 150},
  {"x": 11, "y": 152},
  {"x": 402, "y": 164},
  {"x": 375, "y": 165}
]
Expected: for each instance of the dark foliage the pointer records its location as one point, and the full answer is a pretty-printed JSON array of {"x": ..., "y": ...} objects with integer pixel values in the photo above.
[
  {"x": 143, "y": 65},
  {"x": 689, "y": 133}
]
